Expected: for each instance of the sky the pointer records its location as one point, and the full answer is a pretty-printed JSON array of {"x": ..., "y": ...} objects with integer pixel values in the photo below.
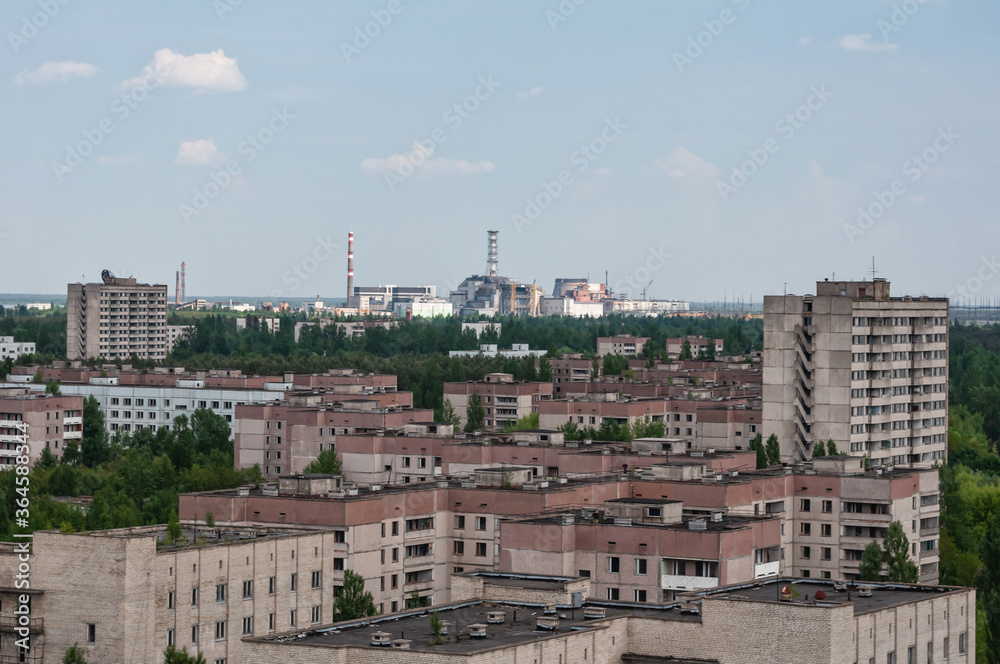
[{"x": 698, "y": 150}]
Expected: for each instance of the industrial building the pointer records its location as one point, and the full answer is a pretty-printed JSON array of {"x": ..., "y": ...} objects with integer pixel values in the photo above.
[
  {"x": 116, "y": 319},
  {"x": 853, "y": 365},
  {"x": 491, "y": 294}
]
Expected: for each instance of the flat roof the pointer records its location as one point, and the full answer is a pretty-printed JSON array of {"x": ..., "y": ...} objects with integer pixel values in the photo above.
[
  {"x": 884, "y": 595},
  {"x": 519, "y": 626}
]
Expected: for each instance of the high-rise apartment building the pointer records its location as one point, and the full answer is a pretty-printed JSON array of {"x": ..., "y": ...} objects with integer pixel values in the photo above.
[
  {"x": 853, "y": 365},
  {"x": 116, "y": 319}
]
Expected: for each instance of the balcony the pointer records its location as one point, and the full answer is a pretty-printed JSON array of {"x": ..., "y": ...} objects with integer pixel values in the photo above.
[
  {"x": 10, "y": 623},
  {"x": 761, "y": 570},
  {"x": 12, "y": 424},
  {"x": 69, "y": 421},
  {"x": 6, "y": 438},
  {"x": 416, "y": 561},
  {"x": 672, "y": 582},
  {"x": 72, "y": 435}
]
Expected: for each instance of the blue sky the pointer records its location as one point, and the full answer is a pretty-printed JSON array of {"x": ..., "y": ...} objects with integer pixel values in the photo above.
[{"x": 599, "y": 136}]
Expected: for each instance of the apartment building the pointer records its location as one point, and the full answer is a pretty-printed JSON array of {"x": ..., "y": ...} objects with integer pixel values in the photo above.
[
  {"x": 643, "y": 550},
  {"x": 13, "y": 350},
  {"x": 177, "y": 333},
  {"x": 139, "y": 592},
  {"x": 504, "y": 400},
  {"x": 48, "y": 421},
  {"x": 284, "y": 437},
  {"x": 116, "y": 319},
  {"x": 698, "y": 345},
  {"x": 853, "y": 365},
  {"x": 572, "y": 368},
  {"x": 510, "y": 619},
  {"x": 624, "y": 344}
]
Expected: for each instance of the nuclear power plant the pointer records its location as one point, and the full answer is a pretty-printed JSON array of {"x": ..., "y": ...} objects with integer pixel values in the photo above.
[
  {"x": 401, "y": 301},
  {"x": 492, "y": 294}
]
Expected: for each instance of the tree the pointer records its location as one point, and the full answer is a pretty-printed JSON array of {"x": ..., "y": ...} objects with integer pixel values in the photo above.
[
  {"x": 685, "y": 350},
  {"x": 47, "y": 460},
  {"x": 437, "y": 626},
  {"x": 448, "y": 414},
  {"x": 831, "y": 448},
  {"x": 94, "y": 449},
  {"x": 710, "y": 349},
  {"x": 870, "y": 568},
  {"x": 74, "y": 655},
  {"x": 211, "y": 432},
  {"x": 897, "y": 555},
  {"x": 209, "y": 519},
  {"x": 819, "y": 449},
  {"x": 173, "y": 656},
  {"x": 773, "y": 450},
  {"x": 545, "y": 370},
  {"x": 757, "y": 446},
  {"x": 52, "y": 387},
  {"x": 989, "y": 589},
  {"x": 173, "y": 528},
  {"x": 354, "y": 601},
  {"x": 327, "y": 463},
  {"x": 475, "y": 414}
]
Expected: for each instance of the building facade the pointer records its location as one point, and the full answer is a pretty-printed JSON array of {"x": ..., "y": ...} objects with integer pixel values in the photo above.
[
  {"x": 116, "y": 319},
  {"x": 504, "y": 400},
  {"x": 48, "y": 421},
  {"x": 853, "y": 365}
]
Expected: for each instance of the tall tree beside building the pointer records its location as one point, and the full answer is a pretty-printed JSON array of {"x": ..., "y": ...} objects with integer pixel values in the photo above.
[
  {"x": 870, "y": 568},
  {"x": 685, "y": 350},
  {"x": 475, "y": 415},
  {"x": 989, "y": 589},
  {"x": 773, "y": 449},
  {"x": 354, "y": 601},
  {"x": 95, "y": 449},
  {"x": 897, "y": 555},
  {"x": 545, "y": 370},
  {"x": 757, "y": 446},
  {"x": 327, "y": 463}
]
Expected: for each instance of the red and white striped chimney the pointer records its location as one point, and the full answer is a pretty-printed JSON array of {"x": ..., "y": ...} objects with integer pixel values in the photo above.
[{"x": 350, "y": 268}]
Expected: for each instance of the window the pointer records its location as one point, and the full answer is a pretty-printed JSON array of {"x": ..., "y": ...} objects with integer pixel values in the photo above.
[
  {"x": 170, "y": 601},
  {"x": 247, "y": 589},
  {"x": 315, "y": 615},
  {"x": 930, "y": 652},
  {"x": 292, "y": 618},
  {"x": 395, "y": 554},
  {"x": 961, "y": 644},
  {"x": 614, "y": 564},
  {"x": 395, "y": 528},
  {"x": 248, "y": 626},
  {"x": 480, "y": 549},
  {"x": 406, "y": 462},
  {"x": 270, "y": 585},
  {"x": 480, "y": 523},
  {"x": 805, "y": 504},
  {"x": 220, "y": 593},
  {"x": 805, "y": 528},
  {"x": 459, "y": 522},
  {"x": 890, "y": 658},
  {"x": 459, "y": 548},
  {"x": 194, "y": 633},
  {"x": 270, "y": 622},
  {"x": 293, "y": 582},
  {"x": 170, "y": 637},
  {"x": 613, "y": 594},
  {"x": 194, "y": 597},
  {"x": 945, "y": 655},
  {"x": 825, "y": 553},
  {"x": 806, "y": 552},
  {"x": 640, "y": 596},
  {"x": 395, "y": 581},
  {"x": 826, "y": 530},
  {"x": 220, "y": 630},
  {"x": 911, "y": 655},
  {"x": 640, "y": 567},
  {"x": 827, "y": 506}
]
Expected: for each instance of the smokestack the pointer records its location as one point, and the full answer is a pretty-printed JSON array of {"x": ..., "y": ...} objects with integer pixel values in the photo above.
[
  {"x": 183, "y": 284},
  {"x": 491, "y": 253},
  {"x": 350, "y": 268},
  {"x": 177, "y": 289}
]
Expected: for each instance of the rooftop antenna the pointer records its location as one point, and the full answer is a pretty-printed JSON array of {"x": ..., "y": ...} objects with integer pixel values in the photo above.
[{"x": 874, "y": 272}]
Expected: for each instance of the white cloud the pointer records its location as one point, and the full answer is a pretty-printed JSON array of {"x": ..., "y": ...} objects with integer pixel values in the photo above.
[
  {"x": 865, "y": 44},
  {"x": 117, "y": 160},
  {"x": 56, "y": 71},
  {"x": 421, "y": 161},
  {"x": 199, "y": 153},
  {"x": 533, "y": 92},
  {"x": 206, "y": 72},
  {"x": 804, "y": 41},
  {"x": 682, "y": 164}
]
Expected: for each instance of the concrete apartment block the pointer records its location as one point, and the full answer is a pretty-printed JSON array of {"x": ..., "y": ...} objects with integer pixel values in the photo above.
[
  {"x": 52, "y": 421},
  {"x": 504, "y": 400},
  {"x": 116, "y": 319},
  {"x": 625, "y": 344},
  {"x": 853, "y": 365}
]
